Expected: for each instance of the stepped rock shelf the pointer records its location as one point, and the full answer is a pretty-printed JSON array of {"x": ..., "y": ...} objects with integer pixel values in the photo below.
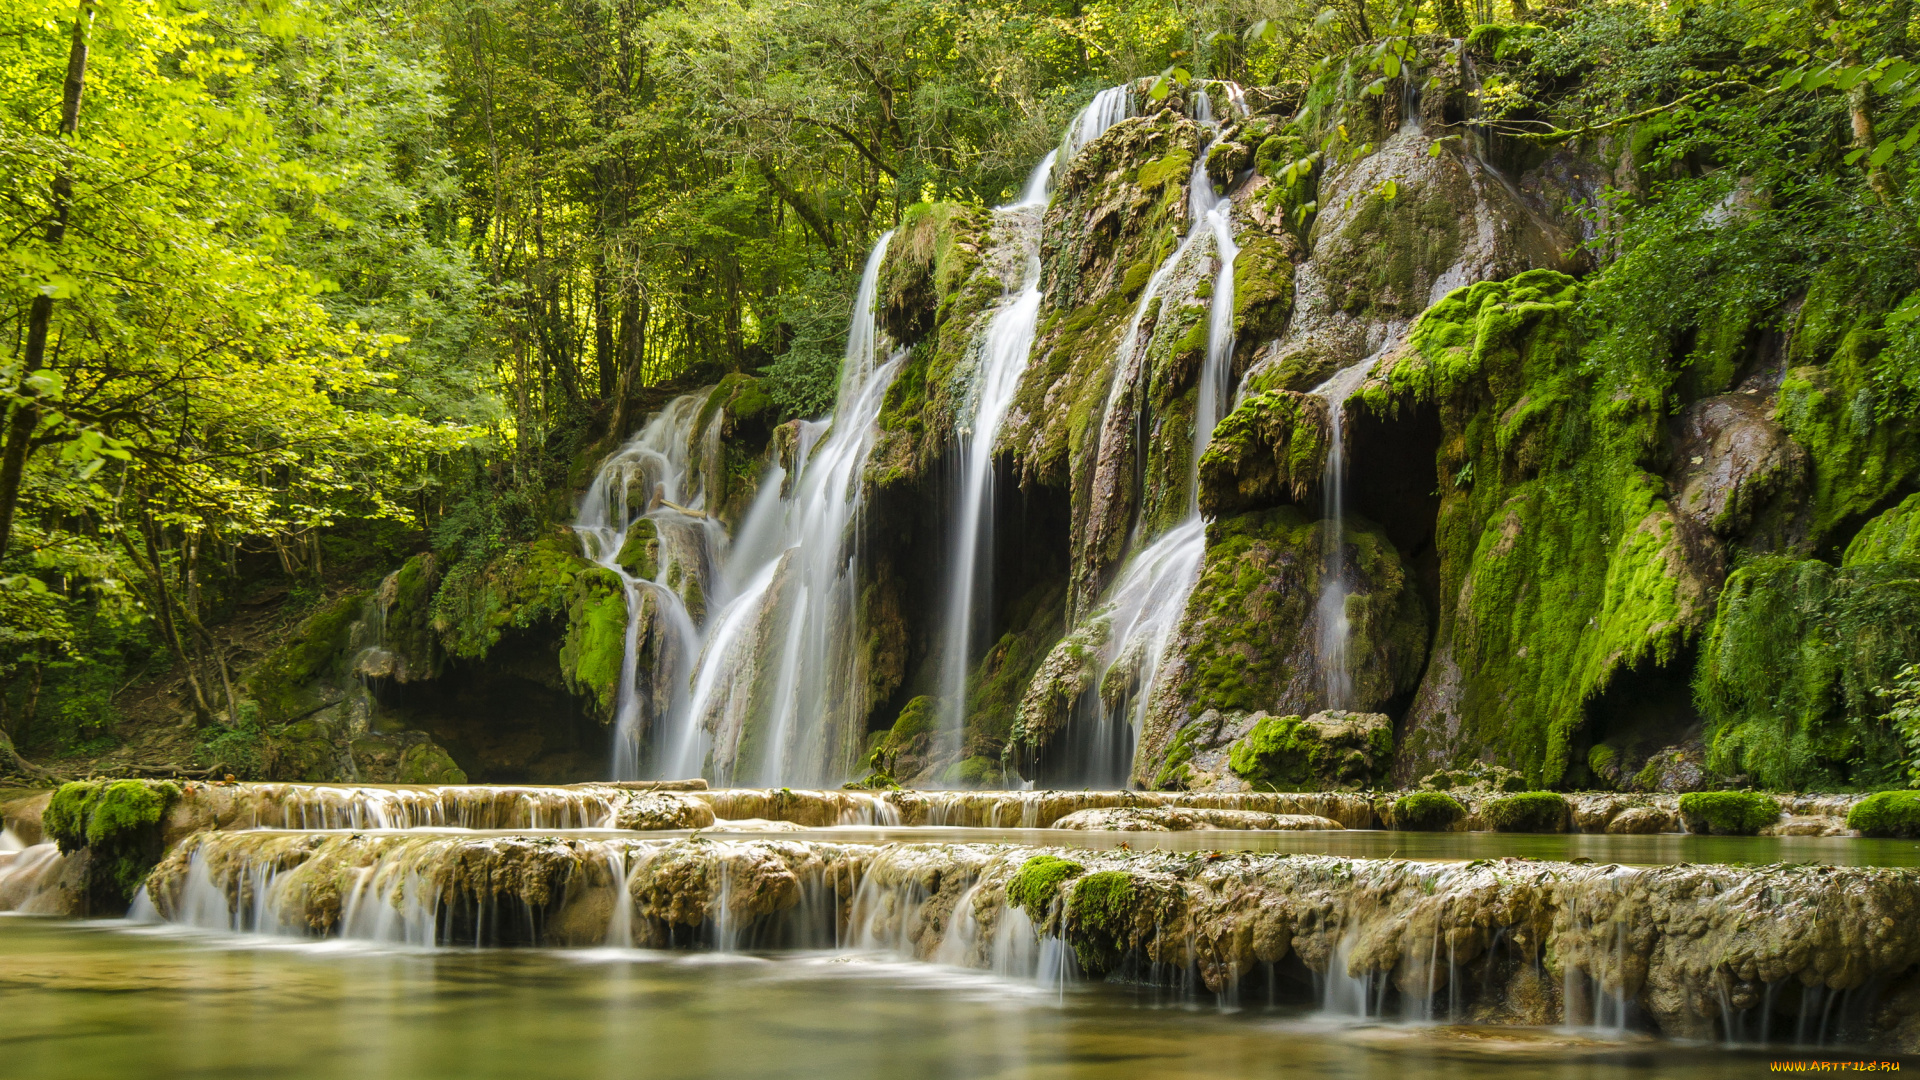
[{"x": 1783, "y": 953}]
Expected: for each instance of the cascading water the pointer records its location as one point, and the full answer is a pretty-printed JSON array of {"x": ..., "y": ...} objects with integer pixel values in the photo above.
[
  {"x": 1336, "y": 628},
  {"x": 1003, "y": 359},
  {"x": 1146, "y": 601},
  {"x": 781, "y": 652},
  {"x": 656, "y": 464}
]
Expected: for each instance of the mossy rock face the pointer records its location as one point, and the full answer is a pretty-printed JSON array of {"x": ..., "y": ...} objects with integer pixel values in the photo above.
[
  {"x": 1561, "y": 563},
  {"x": 1528, "y": 812},
  {"x": 1101, "y": 910},
  {"x": 1425, "y": 811},
  {"x": 1479, "y": 777},
  {"x": 1249, "y": 638},
  {"x": 593, "y": 650},
  {"x": 1036, "y": 885},
  {"x": 320, "y": 648},
  {"x": 118, "y": 824},
  {"x": 1789, "y": 673},
  {"x": 903, "y": 750},
  {"x": 1894, "y": 535},
  {"x": 408, "y": 757},
  {"x": 640, "y": 553},
  {"x": 1728, "y": 813},
  {"x": 1324, "y": 752},
  {"x": 1889, "y": 814}
]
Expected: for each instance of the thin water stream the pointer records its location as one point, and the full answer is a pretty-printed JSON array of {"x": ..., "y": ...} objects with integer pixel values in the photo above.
[{"x": 86, "y": 1001}]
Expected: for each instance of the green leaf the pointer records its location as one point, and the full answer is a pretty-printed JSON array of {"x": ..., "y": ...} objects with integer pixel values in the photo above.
[{"x": 1882, "y": 154}]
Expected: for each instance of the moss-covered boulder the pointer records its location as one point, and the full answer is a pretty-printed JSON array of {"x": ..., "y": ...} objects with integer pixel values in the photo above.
[
  {"x": 1036, "y": 885},
  {"x": 1270, "y": 450},
  {"x": 117, "y": 824},
  {"x": 1894, "y": 814},
  {"x": 1728, "y": 813},
  {"x": 296, "y": 677},
  {"x": 1425, "y": 811},
  {"x": 1323, "y": 752},
  {"x": 1528, "y": 812}
]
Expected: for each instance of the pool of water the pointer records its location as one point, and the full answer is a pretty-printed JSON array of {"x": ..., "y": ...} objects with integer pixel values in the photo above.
[{"x": 81, "y": 999}]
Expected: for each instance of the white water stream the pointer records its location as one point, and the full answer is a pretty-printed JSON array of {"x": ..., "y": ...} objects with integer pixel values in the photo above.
[{"x": 1145, "y": 603}]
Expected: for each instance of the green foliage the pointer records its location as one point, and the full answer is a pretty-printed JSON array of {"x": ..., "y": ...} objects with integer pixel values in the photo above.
[
  {"x": 1790, "y": 673},
  {"x": 1728, "y": 813},
  {"x": 1893, "y": 814},
  {"x": 1425, "y": 811},
  {"x": 1037, "y": 884},
  {"x": 1529, "y": 812}
]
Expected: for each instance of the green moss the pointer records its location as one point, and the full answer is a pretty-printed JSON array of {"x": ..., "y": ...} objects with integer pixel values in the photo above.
[
  {"x": 1287, "y": 753},
  {"x": 1036, "y": 885},
  {"x": 426, "y": 763},
  {"x": 1100, "y": 911},
  {"x": 1894, "y": 814},
  {"x": 1893, "y": 535},
  {"x": 1175, "y": 166},
  {"x": 524, "y": 586},
  {"x": 1561, "y": 564},
  {"x": 1174, "y": 774},
  {"x": 1529, "y": 812},
  {"x": 1425, "y": 811},
  {"x": 317, "y": 649},
  {"x": 1728, "y": 813},
  {"x": 593, "y": 650},
  {"x": 1789, "y": 674},
  {"x": 1250, "y": 618},
  {"x": 117, "y": 822},
  {"x": 1268, "y": 451},
  {"x": 640, "y": 554},
  {"x": 1391, "y": 248}
]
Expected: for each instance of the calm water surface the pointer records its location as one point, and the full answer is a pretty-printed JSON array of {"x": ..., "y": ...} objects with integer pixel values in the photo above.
[{"x": 105, "y": 1000}]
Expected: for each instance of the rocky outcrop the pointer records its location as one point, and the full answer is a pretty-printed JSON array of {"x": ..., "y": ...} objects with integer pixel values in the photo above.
[
  {"x": 1249, "y": 644},
  {"x": 1182, "y": 819},
  {"x": 1696, "y": 952}
]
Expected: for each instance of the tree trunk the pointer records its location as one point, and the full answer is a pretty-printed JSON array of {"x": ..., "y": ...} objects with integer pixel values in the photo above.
[{"x": 26, "y": 414}]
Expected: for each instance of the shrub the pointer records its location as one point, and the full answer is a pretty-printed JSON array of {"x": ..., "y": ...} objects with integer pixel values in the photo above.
[
  {"x": 1893, "y": 814},
  {"x": 1532, "y": 811},
  {"x": 1038, "y": 882},
  {"x": 1728, "y": 813},
  {"x": 1425, "y": 811}
]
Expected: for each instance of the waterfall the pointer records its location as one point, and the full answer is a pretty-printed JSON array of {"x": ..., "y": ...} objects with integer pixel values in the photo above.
[
  {"x": 1336, "y": 628},
  {"x": 656, "y": 465},
  {"x": 797, "y": 562},
  {"x": 1144, "y": 606},
  {"x": 1003, "y": 356}
]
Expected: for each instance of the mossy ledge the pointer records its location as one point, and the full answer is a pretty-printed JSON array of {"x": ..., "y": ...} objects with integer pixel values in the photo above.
[{"x": 117, "y": 825}]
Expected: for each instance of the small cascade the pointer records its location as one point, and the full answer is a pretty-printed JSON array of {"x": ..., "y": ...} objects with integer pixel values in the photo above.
[
  {"x": 1145, "y": 603},
  {"x": 1336, "y": 628},
  {"x": 1743, "y": 955},
  {"x": 1108, "y": 107},
  {"x": 652, "y": 480},
  {"x": 781, "y": 652}
]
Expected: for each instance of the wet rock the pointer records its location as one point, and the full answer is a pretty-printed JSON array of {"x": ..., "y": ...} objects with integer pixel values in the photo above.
[
  {"x": 1328, "y": 750},
  {"x": 1178, "y": 819},
  {"x": 1732, "y": 464},
  {"x": 1641, "y": 820}
]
